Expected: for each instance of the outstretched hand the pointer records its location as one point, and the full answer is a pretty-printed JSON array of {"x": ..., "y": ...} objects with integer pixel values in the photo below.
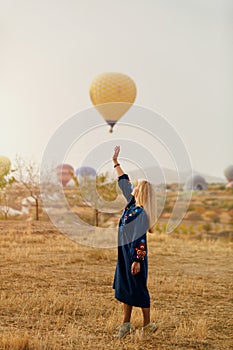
[
  {"x": 117, "y": 166},
  {"x": 116, "y": 153}
]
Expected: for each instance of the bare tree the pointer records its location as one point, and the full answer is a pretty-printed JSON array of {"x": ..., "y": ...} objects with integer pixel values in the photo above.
[
  {"x": 4, "y": 199},
  {"x": 27, "y": 173},
  {"x": 6, "y": 181},
  {"x": 93, "y": 191}
]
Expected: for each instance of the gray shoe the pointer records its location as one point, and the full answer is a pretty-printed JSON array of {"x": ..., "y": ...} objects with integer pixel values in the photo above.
[
  {"x": 149, "y": 329},
  {"x": 123, "y": 330}
]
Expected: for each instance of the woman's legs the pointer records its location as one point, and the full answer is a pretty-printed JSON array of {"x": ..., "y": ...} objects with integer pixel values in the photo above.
[
  {"x": 126, "y": 327},
  {"x": 127, "y": 312},
  {"x": 146, "y": 315}
]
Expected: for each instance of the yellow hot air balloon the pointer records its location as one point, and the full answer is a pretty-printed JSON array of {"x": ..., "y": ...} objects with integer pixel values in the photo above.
[
  {"x": 5, "y": 165},
  {"x": 112, "y": 94}
]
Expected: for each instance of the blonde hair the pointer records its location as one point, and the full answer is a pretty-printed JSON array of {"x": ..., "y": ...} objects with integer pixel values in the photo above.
[{"x": 145, "y": 197}]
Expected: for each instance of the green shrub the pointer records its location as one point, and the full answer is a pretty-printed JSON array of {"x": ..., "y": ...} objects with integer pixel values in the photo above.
[{"x": 207, "y": 227}]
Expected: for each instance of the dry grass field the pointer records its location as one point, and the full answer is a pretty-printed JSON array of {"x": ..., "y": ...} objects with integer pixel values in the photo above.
[{"x": 56, "y": 294}]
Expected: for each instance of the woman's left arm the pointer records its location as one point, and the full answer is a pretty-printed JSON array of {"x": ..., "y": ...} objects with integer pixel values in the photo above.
[
  {"x": 139, "y": 244},
  {"x": 138, "y": 255},
  {"x": 139, "y": 249}
]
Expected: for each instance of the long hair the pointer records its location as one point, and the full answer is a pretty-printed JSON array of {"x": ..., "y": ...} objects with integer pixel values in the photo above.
[{"x": 145, "y": 197}]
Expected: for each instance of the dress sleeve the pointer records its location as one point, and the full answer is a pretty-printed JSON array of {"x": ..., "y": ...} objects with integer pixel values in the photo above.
[
  {"x": 125, "y": 186},
  {"x": 139, "y": 244},
  {"x": 139, "y": 250}
]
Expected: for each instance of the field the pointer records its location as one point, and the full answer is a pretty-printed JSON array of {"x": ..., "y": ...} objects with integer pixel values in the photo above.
[{"x": 57, "y": 294}]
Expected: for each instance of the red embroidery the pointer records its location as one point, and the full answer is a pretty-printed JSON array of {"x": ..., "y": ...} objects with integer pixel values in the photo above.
[{"x": 141, "y": 251}]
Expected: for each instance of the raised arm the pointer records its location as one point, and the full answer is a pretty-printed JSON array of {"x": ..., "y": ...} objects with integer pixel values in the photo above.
[
  {"x": 123, "y": 179},
  {"x": 117, "y": 165}
]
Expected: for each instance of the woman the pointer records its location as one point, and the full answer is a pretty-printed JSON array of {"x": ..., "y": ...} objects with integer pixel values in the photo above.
[{"x": 130, "y": 280}]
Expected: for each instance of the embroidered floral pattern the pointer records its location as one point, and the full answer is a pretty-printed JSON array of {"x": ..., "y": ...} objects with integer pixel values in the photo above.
[
  {"x": 141, "y": 250},
  {"x": 131, "y": 215}
]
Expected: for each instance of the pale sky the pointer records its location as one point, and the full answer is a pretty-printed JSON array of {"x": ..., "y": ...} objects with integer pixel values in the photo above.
[{"x": 178, "y": 52}]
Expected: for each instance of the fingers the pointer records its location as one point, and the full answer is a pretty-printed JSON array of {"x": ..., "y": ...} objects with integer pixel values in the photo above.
[
  {"x": 135, "y": 269},
  {"x": 116, "y": 151}
]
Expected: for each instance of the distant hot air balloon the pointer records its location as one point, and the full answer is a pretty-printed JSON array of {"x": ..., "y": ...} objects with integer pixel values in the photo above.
[
  {"x": 112, "y": 94},
  {"x": 229, "y": 184},
  {"x": 5, "y": 165},
  {"x": 64, "y": 173},
  {"x": 228, "y": 172},
  {"x": 85, "y": 172},
  {"x": 196, "y": 183}
]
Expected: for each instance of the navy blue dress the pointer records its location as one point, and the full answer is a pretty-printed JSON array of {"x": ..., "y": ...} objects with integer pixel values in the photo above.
[{"x": 132, "y": 246}]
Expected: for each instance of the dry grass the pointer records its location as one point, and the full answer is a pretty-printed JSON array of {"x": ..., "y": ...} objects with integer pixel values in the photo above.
[{"x": 56, "y": 294}]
